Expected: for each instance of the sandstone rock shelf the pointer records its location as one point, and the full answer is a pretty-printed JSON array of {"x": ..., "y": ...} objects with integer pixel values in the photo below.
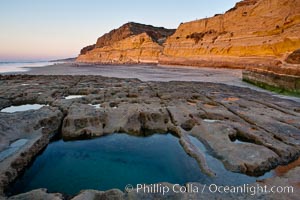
[
  {"x": 284, "y": 78},
  {"x": 271, "y": 80},
  {"x": 216, "y": 114}
]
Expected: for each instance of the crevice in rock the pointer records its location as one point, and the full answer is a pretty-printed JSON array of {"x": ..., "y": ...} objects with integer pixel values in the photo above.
[
  {"x": 275, "y": 107},
  {"x": 245, "y": 119},
  {"x": 234, "y": 138},
  {"x": 243, "y": 136},
  {"x": 278, "y": 138},
  {"x": 67, "y": 90},
  {"x": 289, "y": 124},
  {"x": 173, "y": 121},
  {"x": 5, "y": 99},
  {"x": 264, "y": 129}
]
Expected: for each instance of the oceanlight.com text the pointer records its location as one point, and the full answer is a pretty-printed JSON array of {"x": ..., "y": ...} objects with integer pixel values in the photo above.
[{"x": 252, "y": 189}]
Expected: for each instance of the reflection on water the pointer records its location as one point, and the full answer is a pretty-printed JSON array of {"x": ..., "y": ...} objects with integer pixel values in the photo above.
[
  {"x": 97, "y": 106},
  {"x": 116, "y": 160},
  {"x": 109, "y": 162},
  {"x": 13, "y": 147},
  {"x": 20, "y": 108},
  {"x": 74, "y": 96},
  {"x": 224, "y": 176}
]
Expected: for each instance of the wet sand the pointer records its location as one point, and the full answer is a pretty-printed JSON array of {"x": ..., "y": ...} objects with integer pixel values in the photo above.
[
  {"x": 153, "y": 73},
  {"x": 145, "y": 72}
]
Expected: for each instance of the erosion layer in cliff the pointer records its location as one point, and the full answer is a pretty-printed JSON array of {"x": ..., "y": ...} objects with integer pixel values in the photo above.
[
  {"x": 253, "y": 33},
  {"x": 131, "y": 43}
]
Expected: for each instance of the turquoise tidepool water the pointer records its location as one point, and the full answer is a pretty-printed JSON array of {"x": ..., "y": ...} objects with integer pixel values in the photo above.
[{"x": 116, "y": 160}]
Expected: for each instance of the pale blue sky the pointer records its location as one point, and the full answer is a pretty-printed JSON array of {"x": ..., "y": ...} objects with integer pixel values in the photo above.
[{"x": 48, "y": 29}]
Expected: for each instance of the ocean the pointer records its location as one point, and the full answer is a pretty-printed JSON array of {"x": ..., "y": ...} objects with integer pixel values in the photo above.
[{"x": 7, "y": 67}]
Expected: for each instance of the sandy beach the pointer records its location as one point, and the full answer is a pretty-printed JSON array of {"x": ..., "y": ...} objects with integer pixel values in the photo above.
[{"x": 144, "y": 72}]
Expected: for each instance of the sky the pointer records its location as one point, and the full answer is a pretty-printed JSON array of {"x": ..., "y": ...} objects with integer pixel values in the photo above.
[{"x": 54, "y": 29}]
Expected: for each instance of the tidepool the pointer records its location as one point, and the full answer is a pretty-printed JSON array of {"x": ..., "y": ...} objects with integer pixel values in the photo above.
[{"x": 116, "y": 160}]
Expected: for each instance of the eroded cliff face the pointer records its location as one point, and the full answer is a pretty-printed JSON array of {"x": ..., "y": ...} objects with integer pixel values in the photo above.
[
  {"x": 130, "y": 29},
  {"x": 134, "y": 49},
  {"x": 131, "y": 43},
  {"x": 254, "y": 31}
]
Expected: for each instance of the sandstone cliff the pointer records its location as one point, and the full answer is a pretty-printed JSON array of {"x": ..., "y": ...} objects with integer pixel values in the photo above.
[
  {"x": 294, "y": 58},
  {"x": 254, "y": 32},
  {"x": 131, "y": 43}
]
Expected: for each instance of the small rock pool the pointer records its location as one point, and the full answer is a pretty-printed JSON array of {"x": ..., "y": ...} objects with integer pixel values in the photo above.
[
  {"x": 116, "y": 160},
  {"x": 74, "y": 96},
  {"x": 22, "y": 108}
]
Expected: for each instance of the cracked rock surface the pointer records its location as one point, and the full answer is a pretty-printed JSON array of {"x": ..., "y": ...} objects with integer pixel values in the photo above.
[{"x": 249, "y": 131}]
